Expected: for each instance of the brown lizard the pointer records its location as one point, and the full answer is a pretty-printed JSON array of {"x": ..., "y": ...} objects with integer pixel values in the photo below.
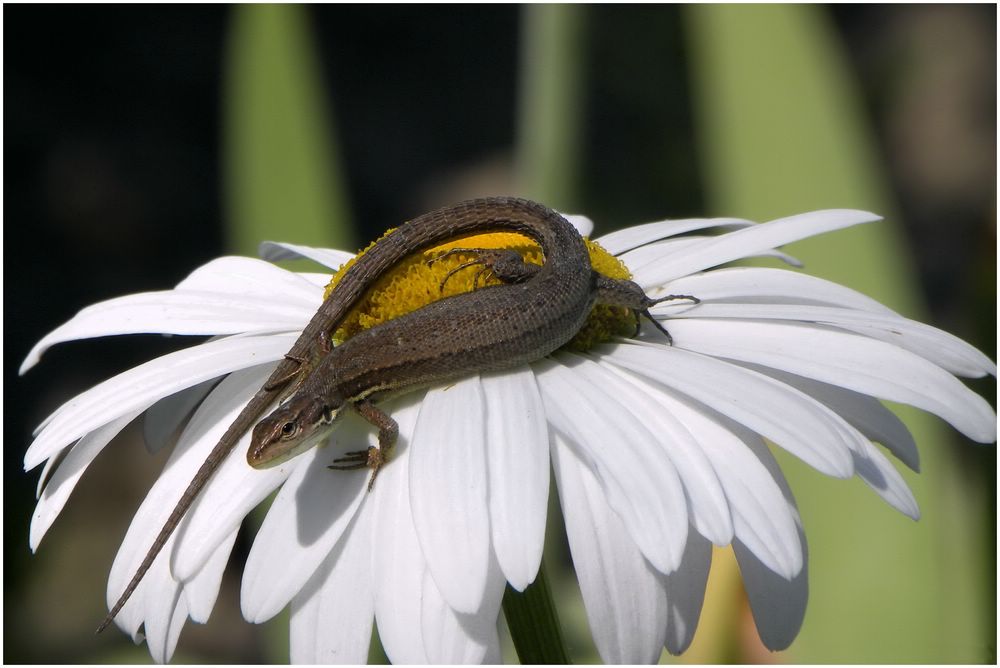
[{"x": 558, "y": 297}]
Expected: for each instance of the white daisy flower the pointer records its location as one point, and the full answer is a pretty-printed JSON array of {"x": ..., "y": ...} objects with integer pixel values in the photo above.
[{"x": 658, "y": 450}]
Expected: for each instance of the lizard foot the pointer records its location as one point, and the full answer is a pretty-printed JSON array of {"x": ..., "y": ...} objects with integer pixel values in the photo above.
[{"x": 373, "y": 458}]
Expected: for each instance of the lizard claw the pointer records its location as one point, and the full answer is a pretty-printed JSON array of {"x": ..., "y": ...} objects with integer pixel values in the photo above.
[{"x": 351, "y": 461}]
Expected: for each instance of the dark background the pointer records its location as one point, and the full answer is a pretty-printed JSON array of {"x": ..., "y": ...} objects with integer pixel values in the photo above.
[{"x": 112, "y": 186}]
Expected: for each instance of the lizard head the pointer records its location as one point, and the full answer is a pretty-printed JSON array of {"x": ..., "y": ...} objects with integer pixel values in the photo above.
[{"x": 290, "y": 430}]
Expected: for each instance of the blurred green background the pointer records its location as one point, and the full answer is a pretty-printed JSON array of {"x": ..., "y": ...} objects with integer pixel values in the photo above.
[{"x": 141, "y": 142}]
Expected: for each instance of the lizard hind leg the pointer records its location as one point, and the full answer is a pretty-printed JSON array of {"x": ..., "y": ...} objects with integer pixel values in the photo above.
[
  {"x": 504, "y": 264},
  {"x": 619, "y": 292},
  {"x": 303, "y": 367},
  {"x": 656, "y": 323},
  {"x": 284, "y": 380}
]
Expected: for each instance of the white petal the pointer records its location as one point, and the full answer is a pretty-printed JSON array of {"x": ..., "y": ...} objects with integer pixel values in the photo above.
[
  {"x": 318, "y": 280},
  {"x": 235, "y": 488},
  {"x": 166, "y": 602},
  {"x": 494, "y": 655},
  {"x": 943, "y": 349},
  {"x": 752, "y": 240},
  {"x": 626, "y": 602},
  {"x": 879, "y": 474},
  {"x": 165, "y": 617},
  {"x": 246, "y": 276},
  {"x": 202, "y": 591},
  {"x": 869, "y": 464},
  {"x": 68, "y": 473},
  {"x": 650, "y": 258},
  {"x": 639, "y": 481},
  {"x": 140, "y": 386},
  {"x": 866, "y": 414},
  {"x": 158, "y": 593},
  {"x": 873, "y": 468},
  {"x": 792, "y": 420},
  {"x": 274, "y": 251},
  {"x": 50, "y": 465},
  {"x": 634, "y": 236},
  {"x": 790, "y": 260},
  {"x": 456, "y": 638},
  {"x": 448, "y": 484},
  {"x": 848, "y": 360},
  {"x": 191, "y": 450},
  {"x": 685, "y": 589},
  {"x": 704, "y": 494},
  {"x": 517, "y": 447},
  {"x": 133, "y": 613},
  {"x": 778, "y": 604},
  {"x": 767, "y": 285},
  {"x": 174, "y": 312},
  {"x": 761, "y": 518},
  {"x": 165, "y": 417},
  {"x": 396, "y": 556},
  {"x": 228, "y": 295},
  {"x": 331, "y": 620},
  {"x": 309, "y": 515}
]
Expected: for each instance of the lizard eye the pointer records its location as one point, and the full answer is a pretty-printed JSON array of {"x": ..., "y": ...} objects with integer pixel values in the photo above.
[
  {"x": 288, "y": 429},
  {"x": 327, "y": 415}
]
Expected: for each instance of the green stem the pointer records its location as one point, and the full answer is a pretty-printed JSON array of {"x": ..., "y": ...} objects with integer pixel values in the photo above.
[{"x": 533, "y": 623}]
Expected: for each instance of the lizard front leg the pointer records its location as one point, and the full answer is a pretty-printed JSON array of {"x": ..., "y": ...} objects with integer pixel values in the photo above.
[{"x": 372, "y": 458}]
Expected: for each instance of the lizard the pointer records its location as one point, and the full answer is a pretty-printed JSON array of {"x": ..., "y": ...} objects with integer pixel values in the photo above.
[
  {"x": 534, "y": 311},
  {"x": 565, "y": 255}
]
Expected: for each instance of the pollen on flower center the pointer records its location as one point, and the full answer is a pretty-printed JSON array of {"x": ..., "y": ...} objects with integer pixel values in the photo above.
[{"x": 416, "y": 282}]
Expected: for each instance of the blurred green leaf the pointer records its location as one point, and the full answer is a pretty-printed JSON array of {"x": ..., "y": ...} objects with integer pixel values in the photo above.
[
  {"x": 282, "y": 180},
  {"x": 782, "y": 131},
  {"x": 550, "y": 111}
]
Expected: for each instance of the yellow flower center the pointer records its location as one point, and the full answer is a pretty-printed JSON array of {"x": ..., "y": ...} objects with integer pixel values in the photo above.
[{"x": 416, "y": 282}]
